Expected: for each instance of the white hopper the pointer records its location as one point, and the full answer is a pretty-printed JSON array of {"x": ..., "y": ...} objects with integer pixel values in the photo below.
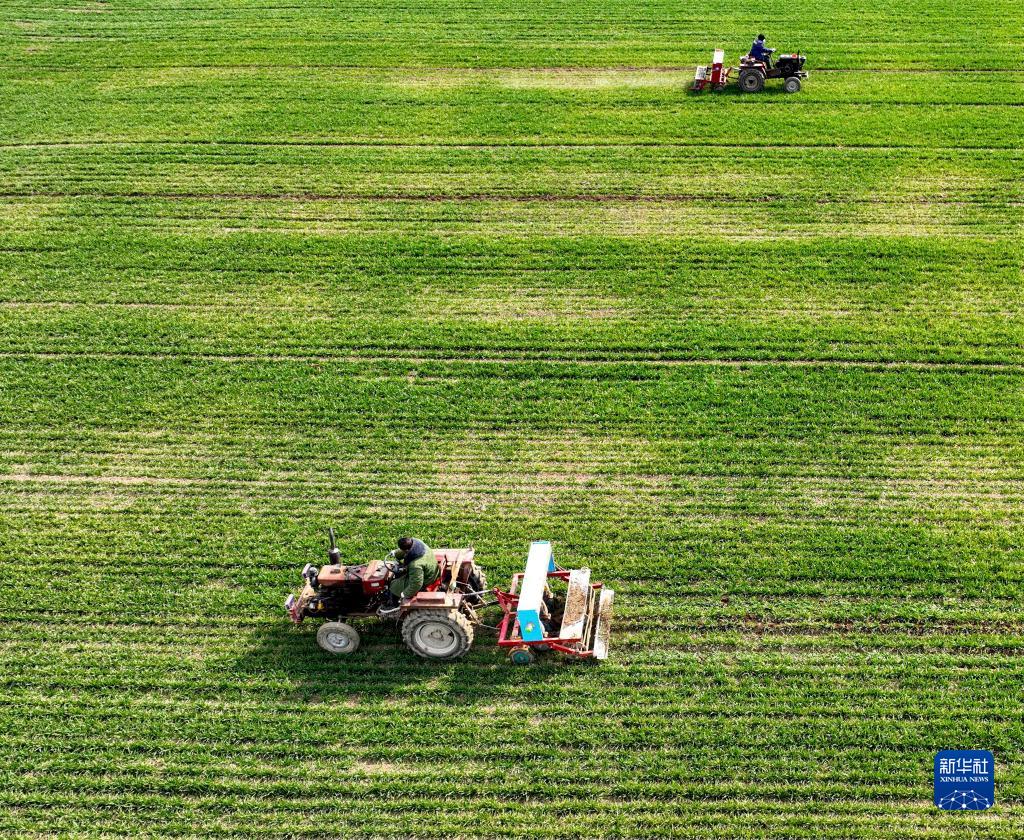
[
  {"x": 532, "y": 589},
  {"x": 577, "y": 599}
]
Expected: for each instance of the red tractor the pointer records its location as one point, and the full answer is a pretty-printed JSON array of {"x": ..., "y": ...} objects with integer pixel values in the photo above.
[{"x": 436, "y": 623}]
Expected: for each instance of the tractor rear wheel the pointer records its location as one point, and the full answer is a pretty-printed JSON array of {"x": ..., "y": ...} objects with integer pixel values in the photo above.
[
  {"x": 338, "y": 637},
  {"x": 437, "y": 634},
  {"x": 791, "y": 85},
  {"x": 751, "y": 81}
]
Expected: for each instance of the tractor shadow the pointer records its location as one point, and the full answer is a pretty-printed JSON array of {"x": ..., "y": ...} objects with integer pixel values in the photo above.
[
  {"x": 772, "y": 90},
  {"x": 383, "y": 669}
]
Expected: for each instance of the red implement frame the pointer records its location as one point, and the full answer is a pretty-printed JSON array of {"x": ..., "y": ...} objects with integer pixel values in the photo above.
[
  {"x": 715, "y": 75},
  {"x": 508, "y": 635}
]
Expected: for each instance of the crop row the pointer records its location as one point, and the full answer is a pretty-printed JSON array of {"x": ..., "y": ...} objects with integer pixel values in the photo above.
[
  {"x": 871, "y": 35},
  {"x": 465, "y": 117},
  {"x": 707, "y": 175},
  {"x": 331, "y": 297},
  {"x": 403, "y": 89},
  {"x": 677, "y": 402},
  {"x": 98, "y": 262},
  {"x": 159, "y": 815}
]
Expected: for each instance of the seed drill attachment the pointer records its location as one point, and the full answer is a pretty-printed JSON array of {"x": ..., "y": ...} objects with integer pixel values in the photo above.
[{"x": 550, "y": 608}]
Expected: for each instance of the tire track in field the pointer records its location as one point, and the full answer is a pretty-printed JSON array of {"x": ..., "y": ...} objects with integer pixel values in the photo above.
[
  {"x": 637, "y": 485},
  {"x": 505, "y": 360},
  {"x": 371, "y": 69},
  {"x": 522, "y": 198},
  {"x": 512, "y": 143},
  {"x": 624, "y": 315}
]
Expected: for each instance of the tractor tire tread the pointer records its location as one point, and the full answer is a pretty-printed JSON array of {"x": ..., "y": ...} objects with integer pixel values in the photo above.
[
  {"x": 757, "y": 83},
  {"x": 330, "y": 629},
  {"x": 478, "y": 583},
  {"x": 417, "y": 617}
]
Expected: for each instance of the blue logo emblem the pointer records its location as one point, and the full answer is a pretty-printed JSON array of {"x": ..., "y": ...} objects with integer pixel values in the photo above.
[{"x": 965, "y": 780}]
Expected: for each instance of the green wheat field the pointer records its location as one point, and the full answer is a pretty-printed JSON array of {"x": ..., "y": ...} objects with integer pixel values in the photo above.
[{"x": 487, "y": 272}]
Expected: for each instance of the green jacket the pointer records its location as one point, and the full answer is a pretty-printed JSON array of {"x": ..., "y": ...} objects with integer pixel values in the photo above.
[{"x": 419, "y": 573}]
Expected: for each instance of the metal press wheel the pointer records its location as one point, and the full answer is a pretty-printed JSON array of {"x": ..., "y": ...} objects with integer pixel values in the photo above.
[
  {"x": 521, "y": 655},
  {"x": 751, "y": 81},
  {"x": 337, "y": 637},
  {"x": 437, "y": 634},
  {"x": 791, "y": 85}
]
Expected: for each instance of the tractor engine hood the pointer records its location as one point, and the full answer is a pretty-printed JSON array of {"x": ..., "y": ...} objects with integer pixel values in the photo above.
[{"x": 371, "y": 577}]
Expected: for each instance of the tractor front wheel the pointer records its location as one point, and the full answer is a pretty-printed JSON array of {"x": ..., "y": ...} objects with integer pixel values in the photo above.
[
  {"x": 338, "y": 637},
  {"x": 791, "y": 85},
  {"x": 751, "y": 81},
  {"x": 437, "y": 634}
]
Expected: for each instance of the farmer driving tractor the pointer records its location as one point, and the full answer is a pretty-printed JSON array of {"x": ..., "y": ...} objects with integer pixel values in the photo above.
[
  {"x": 760, "y": 52},
  {"x": 418, "y": 568}
]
